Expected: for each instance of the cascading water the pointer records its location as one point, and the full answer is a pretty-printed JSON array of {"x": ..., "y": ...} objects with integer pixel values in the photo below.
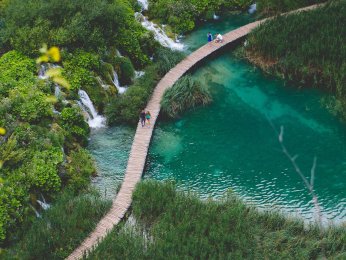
[
  {"x": 252, "y": 8},
  {"x": 139, "y": 74},
  {"x": 216, "y": 17},
  {"x": 94, "y": 119},
  {"x": 144, "y": 4},
  {"x": 42, "y": 71},
  {"x": 44, "y": 205},
  {"x": 159, "y": 34},
  {"x": 117, "y": 83},
  {"x": 102, "y": 83}
]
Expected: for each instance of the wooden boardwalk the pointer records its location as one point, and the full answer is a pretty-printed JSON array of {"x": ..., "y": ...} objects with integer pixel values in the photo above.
[{"x": 141, "y": 141}]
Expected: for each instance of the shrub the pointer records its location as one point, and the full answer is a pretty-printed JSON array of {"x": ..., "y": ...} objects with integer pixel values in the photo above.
[
  {"x": 166, "y": 59},
  {"x": 80, "y": 168},
  {"x": 185, "y": 94},
  {"x": 76, "y": 129},
  {"x": 125, "y": 70}
]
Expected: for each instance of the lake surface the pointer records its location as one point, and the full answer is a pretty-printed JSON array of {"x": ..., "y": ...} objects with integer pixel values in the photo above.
[{"x": 231, "y": 145}]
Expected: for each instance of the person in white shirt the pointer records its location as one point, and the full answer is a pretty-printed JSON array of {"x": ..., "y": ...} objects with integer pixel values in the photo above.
[{"x": 219, "y": 38}]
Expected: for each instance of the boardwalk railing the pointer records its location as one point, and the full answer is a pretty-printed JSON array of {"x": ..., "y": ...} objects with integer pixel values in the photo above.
[{"x": 141, "y": 141}]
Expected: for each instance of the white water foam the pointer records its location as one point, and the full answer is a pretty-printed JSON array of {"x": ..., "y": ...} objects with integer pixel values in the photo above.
[
  {"x": 159, "y": 34},
  {"x": 252, "y": 8},
  {"x": 94, "y": 119},
  {"x": 144, "y": 4},
  {"x": 216, "y": 17},
  {"x": 139, "y": 74},
  {"x": 116, "y": 83}
]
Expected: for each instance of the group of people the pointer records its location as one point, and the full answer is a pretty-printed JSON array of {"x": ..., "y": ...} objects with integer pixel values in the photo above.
[
  {"x": 218, "y": 38},
  {"x": 145, "y": 117}
]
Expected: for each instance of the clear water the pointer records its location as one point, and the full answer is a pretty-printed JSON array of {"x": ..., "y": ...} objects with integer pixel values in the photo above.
[
  {"x": 225, "y": 24},
  {"x": 110, "y": 147},
  {"x": 231, "y": 145}
]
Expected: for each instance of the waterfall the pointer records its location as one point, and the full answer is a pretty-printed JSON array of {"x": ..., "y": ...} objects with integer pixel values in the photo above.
[
  {"x": 44, "y": 205},
  {"x": 139, "y": 74},
  {"x": 144, "y": 4},
  {"x": 159, "y": 34},
  {"x": 216, "y": 17},
  {"x": 57, "y": 91},
  {"x": 94, "y": 120},
  {"x": 38, "y": 215},
  {"x": 252, "y": 8},
  {"x": 102, "y": 83},
  {"x": 117, "y": 52},
  {"x": 42, "y": 72},
  {"x": 117, "y": 83}
]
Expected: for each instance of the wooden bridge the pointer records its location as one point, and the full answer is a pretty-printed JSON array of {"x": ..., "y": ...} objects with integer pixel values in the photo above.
[{"x": 141, "y": 141}]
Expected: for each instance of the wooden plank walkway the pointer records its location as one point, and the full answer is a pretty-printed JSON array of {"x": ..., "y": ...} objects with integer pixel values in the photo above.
[{"x": 141, "y": 141}]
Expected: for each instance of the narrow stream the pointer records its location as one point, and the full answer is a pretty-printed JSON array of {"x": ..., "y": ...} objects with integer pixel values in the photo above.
[{"x": 231, "y": 145}]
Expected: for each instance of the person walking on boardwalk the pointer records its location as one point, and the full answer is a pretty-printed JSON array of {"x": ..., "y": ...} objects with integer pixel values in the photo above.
[
  {"x": 142, "y": 117},
  {"x": 210, "y": 38},
  {"x": 148, "y": 116}
]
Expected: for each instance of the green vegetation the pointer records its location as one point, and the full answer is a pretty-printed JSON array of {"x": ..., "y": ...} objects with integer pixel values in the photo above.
[
  {"x": 36, "y": 141},
  {"x": 42, "y": 136},
  {"x": 307, "y": 48},
  {"x": 272, "y": 7},
  {"x": 185, "y": 94},
  {"x": 60, "y": 229},
  {"x": 126, "y": 108},
  {"x": 183, "y": 15},
  {"x": 85, "y": 24},
  {"x": 180, "y": 226}
]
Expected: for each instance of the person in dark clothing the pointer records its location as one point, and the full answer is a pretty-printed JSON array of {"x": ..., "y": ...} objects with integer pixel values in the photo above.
[
  {"x": 210, "y": 38},
  {"x": 142, "y": 117}
]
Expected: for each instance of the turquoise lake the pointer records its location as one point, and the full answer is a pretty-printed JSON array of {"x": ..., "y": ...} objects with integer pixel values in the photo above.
[{"x": 231, "y": 145}]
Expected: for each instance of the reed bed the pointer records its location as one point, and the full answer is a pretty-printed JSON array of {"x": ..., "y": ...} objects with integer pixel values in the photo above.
[
  {"x": 175, "y": 225},
  {"x": 307, "y": 48}
]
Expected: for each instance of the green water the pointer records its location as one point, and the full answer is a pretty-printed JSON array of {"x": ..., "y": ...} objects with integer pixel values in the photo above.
[
  {"x": 110, "y": 147},
  {"x": 231, "y": 145}
]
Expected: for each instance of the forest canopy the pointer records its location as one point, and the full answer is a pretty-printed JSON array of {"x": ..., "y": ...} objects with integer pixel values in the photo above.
[{"x": 93, "y": 25}]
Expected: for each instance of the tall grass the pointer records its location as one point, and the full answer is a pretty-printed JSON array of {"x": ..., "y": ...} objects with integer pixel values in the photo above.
[
  {"x": 180, "y": 226},
  {"x": 185, "y": 94},
  {"x": 308, "y": 48},
  {"x": 272, "y": 7},
  {"x": 61, "y": 228}
]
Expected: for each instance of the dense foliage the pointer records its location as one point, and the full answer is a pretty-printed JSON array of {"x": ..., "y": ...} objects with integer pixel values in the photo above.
[
  {"x": 272, "y": 7},
  {"x": 308, "y": 48},
  {"x": 185, "y": 94},
  {"x": 178, "y": 226},
  {"x": 42, "y": 135},
  {"x": 59, "y": 230},
  {"x": 87, "y": 24},
  {"x": 33, "y": 150},
  {"x": 183, "y": 15},
  {"x": 126, "y": 108}
]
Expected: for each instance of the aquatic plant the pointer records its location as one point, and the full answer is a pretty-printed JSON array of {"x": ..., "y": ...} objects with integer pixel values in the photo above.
[
  {"x": 307, "y": 48},
  {"x": 185, "y": 94},
  {"x": 177, "y": 225}
]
